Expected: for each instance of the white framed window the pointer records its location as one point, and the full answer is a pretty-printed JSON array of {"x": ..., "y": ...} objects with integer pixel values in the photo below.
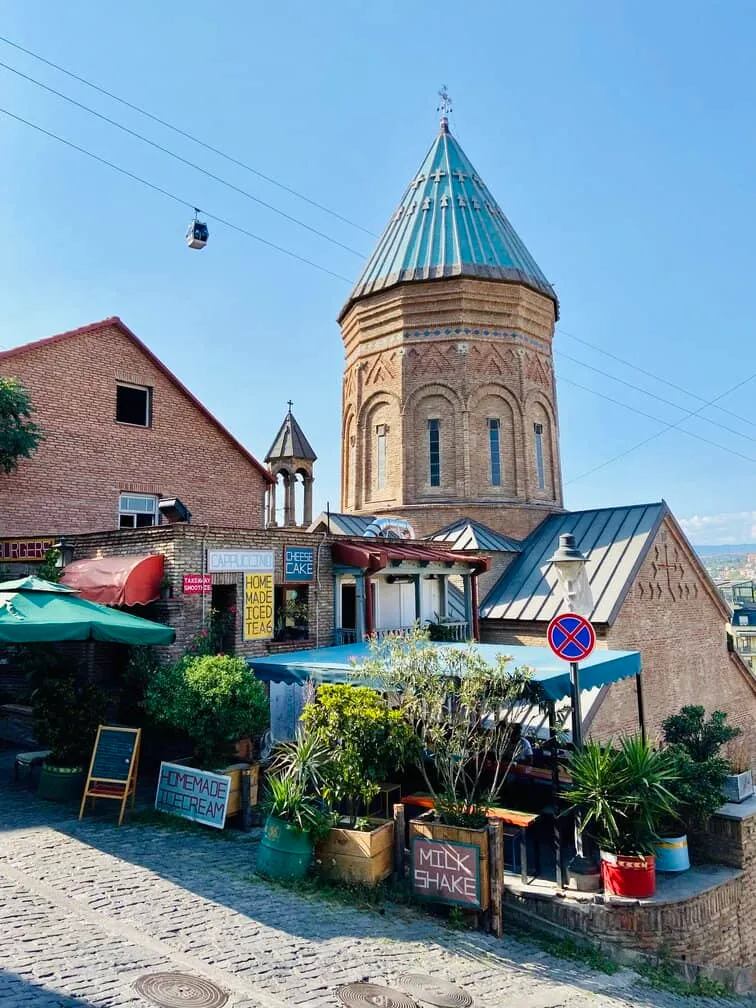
[
  {"x": 137, "y": 511},
  {"x": 380, "y": 456},
  {"x": 540, "y": 471},
  {"x": 494, "y": 450},
  {"x": 133, "y": 404}
]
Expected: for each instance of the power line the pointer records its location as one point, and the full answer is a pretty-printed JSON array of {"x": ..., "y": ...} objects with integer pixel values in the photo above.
[
  {"x": 651, "y": 395},
  {"x": 171, "y": 196},
  {"x": 665, "y": 428},
  {"x": 650, "y": 374},
  {"x": 182, "y": 160},
  {"x": 186, "y": 135}
]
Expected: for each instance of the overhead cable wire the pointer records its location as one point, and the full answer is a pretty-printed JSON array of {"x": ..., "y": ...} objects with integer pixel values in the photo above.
[
  {"x": 651, "y": 374},
  {"x": 187, "y": 136},
  {"x": 182, "y": 160},
  {"x": 665, "y": 428},
  {"x": 170, "y": 195},
  {"x": 275, "y": 182},
  {"x": 637, "y": 388}
]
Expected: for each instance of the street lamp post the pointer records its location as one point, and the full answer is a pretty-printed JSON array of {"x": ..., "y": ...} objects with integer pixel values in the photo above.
[{"x": 569, "y": 565}]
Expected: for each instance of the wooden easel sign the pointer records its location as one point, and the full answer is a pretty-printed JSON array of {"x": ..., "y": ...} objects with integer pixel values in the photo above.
[{"x": 113, "y": 767}]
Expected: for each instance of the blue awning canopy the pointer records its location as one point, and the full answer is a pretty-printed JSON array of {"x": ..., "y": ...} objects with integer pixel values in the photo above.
[{"x": 339, "y": 665}]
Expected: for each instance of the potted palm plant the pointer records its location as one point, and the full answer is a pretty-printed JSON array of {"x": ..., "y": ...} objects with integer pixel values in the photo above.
[
  {"x": 367, "y": 741},
  {"x": 738, "y": 784},
  {"x": 295, "y": 816},
  {"x": 623, "y": 794}
]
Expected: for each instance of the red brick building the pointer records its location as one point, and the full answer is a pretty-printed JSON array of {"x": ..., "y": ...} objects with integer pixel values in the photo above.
[{"x": 121, "y": 433}]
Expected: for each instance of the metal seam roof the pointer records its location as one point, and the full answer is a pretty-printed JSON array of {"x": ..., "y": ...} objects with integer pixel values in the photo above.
[
  {"x": 290, "y": 442},
  {"x": 466, "y": 534},
  {"x": 448, "y": 224},
  {"x": 615, "y": 542}
]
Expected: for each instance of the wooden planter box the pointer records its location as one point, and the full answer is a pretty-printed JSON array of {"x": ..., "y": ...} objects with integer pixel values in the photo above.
[
  {"x": 356, "y": 855},
  {"x": 430, "y": 830},
  {"x": 236, "y": 771}
]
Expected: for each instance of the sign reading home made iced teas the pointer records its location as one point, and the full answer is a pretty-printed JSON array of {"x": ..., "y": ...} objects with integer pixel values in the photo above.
[
  {"x": 446, "y": 872},
  {"x": 258, "y": 606},
  {"x": 193, "y": 794}
]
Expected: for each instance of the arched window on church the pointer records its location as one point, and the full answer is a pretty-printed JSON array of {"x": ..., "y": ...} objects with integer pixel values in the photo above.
[
  {"x": 434, "y": 451},
  {"x": 380, "y": 456},
  {"x": 494, "y": 450},
  {"x": 540, "y": 468}
]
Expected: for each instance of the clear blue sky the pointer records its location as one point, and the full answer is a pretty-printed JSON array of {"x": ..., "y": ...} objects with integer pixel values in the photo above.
[{"x": 618, "y": 137}]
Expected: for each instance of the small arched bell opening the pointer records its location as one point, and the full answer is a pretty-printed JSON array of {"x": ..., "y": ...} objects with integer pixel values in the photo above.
[{"x": 197, "y": 233}]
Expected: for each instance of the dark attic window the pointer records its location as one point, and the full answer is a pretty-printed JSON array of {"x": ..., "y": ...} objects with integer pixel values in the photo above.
[{"x": 133, "y": 405}]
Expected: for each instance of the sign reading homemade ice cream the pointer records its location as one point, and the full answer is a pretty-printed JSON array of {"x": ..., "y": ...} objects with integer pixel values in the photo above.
[{"x": 193, "y": 794}]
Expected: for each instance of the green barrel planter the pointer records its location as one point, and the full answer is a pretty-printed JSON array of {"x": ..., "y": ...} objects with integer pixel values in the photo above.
[
  {"x": 285, "y": 852},
  {"x": 60, "y": 784}
]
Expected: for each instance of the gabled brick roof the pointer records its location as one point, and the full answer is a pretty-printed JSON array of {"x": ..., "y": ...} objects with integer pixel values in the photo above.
[{"x": 115, "y": 323}]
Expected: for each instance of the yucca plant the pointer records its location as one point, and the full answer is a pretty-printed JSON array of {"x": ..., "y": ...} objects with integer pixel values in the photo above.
[
  {"x": 622, "y": 793},
  {"x": 294, "y": 780}
]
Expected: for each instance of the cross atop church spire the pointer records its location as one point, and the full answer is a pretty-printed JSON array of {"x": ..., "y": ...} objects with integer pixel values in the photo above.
[{"x": 444, "y": 107}]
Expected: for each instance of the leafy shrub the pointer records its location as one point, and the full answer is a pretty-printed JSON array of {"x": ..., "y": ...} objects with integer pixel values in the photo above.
[
  {"x": 215, "y": 699},
  {"x": 368, "y": 742},
  {"x": 694, "y": 745},
  {"x": 66, "y": 715}
]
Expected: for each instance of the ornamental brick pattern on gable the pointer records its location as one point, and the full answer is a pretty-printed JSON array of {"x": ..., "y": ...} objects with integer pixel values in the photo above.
[{"x": 74, "y": 480}]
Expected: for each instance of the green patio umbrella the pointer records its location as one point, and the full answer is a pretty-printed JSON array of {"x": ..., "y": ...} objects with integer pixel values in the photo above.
[{"x": 33, "y": 611}]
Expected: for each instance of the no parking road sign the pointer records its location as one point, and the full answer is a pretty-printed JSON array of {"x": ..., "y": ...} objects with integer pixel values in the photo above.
[{"x": 571, "y": 637}]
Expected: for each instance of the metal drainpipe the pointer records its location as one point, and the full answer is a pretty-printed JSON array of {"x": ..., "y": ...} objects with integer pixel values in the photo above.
[
  {"x": 317, "y": 590},
  {"x": 474, "y": 603}
]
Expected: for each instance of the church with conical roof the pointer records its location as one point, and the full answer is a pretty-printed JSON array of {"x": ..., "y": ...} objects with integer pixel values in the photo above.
[{"x": 449, "y": 402}]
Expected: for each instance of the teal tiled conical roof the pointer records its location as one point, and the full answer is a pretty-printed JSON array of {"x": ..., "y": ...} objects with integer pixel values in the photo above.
[{"x": 449, "y": 224}]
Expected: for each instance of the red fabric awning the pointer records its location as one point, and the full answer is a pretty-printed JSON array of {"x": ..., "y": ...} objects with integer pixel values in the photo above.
[
  {"x": 116, "y": 580},
  {"x": 375, "y": 555}
]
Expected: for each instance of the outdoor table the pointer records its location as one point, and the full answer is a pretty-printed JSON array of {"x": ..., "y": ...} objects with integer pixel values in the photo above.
[{"x": 519, "y": 822}]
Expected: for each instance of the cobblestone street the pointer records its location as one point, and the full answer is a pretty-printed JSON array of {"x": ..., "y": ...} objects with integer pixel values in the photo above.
[{"x": 88, "y": 908}]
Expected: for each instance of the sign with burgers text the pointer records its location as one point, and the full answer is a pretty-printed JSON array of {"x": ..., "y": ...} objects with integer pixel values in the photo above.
[{"x": 258, "y": 607}]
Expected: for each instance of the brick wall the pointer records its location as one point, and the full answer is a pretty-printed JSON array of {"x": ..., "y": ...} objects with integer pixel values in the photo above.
[
  {"x": 183, "y": 547},
  {"x": 73, "y": 482},
  {"x": 715, "y": 929},
  {"x": 458, "y": 351}
]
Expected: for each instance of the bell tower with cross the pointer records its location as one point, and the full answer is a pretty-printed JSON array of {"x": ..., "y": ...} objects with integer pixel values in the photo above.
[
  {"x": 291, "y": 462},
  {"x": 449, "y": 404}
]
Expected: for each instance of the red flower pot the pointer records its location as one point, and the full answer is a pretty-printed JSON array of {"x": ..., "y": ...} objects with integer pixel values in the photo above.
[{"x": 629, "y": 875}]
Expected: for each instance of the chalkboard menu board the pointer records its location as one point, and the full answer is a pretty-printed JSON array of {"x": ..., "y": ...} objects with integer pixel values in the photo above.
[
  {"x": 113, "y": 754},
  {"x": 113, "y": 768}
]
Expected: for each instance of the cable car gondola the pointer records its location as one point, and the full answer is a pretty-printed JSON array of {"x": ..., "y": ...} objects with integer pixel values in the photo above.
[{"x": 197, "y": 233}]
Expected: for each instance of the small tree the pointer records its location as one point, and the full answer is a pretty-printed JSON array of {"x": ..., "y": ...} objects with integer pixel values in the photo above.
[
  {"x": 366, "y": 739},
  {"x": 19, "y": 435},
  {"x": 215, "y": 699},
  {"x": 463, "y": 711},
  {"x": 694, "y": 744},
  {"x": 66, "y": 715}
]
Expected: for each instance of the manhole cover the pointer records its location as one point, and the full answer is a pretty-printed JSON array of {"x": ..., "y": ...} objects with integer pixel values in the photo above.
[
  {"x": 179, "y": 990},
  {"x": 360, "y": 995},
  {"x": 434, "y": 991}
]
